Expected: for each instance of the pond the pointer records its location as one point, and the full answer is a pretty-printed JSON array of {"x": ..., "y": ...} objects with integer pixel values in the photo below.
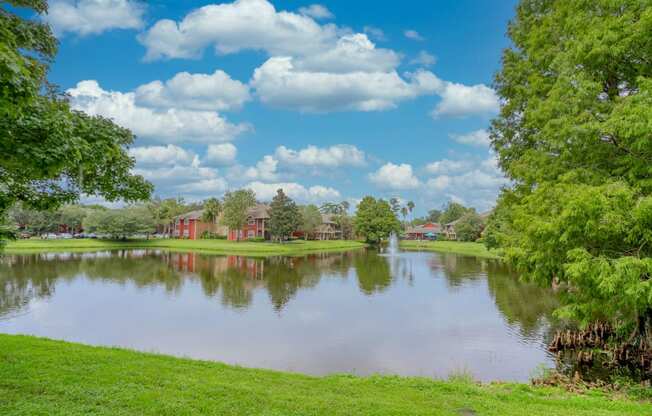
[{"x": 358, "y": 312}]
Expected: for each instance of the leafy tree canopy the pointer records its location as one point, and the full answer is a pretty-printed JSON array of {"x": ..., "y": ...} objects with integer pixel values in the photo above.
[
  {"x": 453, "y": 211},
  {"x": 121, "y": 223},
  {"x": 284, "y": 216},
  {"x": 235, "y": 206},
  {"x": 574, "y": 135},
  {"x": 50, "y": 153},
  {"x": 310, "y": 219},
  {"x": 375, "y": 220},
  {"x": 469, "y": 227}
]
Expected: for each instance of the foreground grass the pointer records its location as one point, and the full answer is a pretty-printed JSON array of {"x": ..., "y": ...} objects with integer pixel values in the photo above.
[
  {"x": 458, "y": 247},
  {"x": 209, "y": 246},
  {"x": 44, "y": 377}
]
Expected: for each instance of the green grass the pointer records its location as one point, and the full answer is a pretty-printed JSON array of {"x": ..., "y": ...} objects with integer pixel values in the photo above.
[
  {"x": 208, "y": 246},
  {"x": 458, "y": 247},
  {"x": 45, "y": 377}
]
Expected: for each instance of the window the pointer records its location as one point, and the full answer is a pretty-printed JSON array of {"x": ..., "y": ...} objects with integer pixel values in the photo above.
[{"x": 250, "y": 234}]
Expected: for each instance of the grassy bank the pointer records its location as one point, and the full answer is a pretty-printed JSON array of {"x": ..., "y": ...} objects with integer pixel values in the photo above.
[
  {"x": 44, "y": 377},
  {"x": 458, "y": 247},
  {"x": 208, "y": 246}
]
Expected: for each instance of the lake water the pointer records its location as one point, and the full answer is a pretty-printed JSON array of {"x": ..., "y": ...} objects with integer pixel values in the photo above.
[{"x": 358, "y": 312}]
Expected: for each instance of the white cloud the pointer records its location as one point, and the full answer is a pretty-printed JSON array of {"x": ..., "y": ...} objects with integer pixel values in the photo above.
[
  {"x": 214, "y": 186},
  {"x": 221, "y": 154},
  {"x": 171, "y": 125},
  {"x": 375, "y": 33},
  {"x": 391, "y": 176},
  {"x": 318, "y": 193},
  {"x": 333, "y": 156},
  {"x": 474, "y": 182},
  {"x": 316, "y": 11},
  {"x": 216, "y": 92},
  {"x": 280, "y": 84},
  {"x": 478, "y": 138},
  {"x": 264, "y": 170},
  {"x": 231, "y": 27},
  {"x": 446, "y": 166},
  {"x": 162, "y": 155},
  {"x": 424, "y": 58},
  {"x": 86, "y": 17},
  {"x": 460, "y": 100},
  {"x": 413, "y": 34}
]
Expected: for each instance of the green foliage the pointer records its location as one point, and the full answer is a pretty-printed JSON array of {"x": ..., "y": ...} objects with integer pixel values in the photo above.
[
  {"x": 164, "y": 211},
  {"x": 212, "y": 210},
  {"x": 375, "y": 220},
  {"x": 453, "y": 211},
  {"x": 574, "y": 137},
  {"x": 235, "y": 208},
  {"x": 469, "y": 227},
  {"x": 310, "y": 219},
  {"x": 285, "y": 217},
  {"x": 121, "y": 223},
  {"x": 433, "y": 215},
  {"x": 51, "y": 154}
]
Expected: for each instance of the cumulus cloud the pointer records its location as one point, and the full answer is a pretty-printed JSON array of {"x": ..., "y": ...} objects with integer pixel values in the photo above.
[
  {"x": 375, "y": 33},
  {"x": 424, "y": 59},
  {"x": 459, "y": 100},
  {"x": 231, "y": 27},
  {"x": 165, "y": 125},
  {"x": 413, "y": 34},
  {"x": 315, "y": 194},
  {"x": 474, "y": 182},
  {"x": 478, "y": 138},
  {"x": 221, "y": 154},
  {"x": 397, "y": 177},
  {"x": 264, "y": 170},
  {"x": 279, "y": 83},
  {"x": 316, "y": 11},
  {"x": 163, "y": 155},
  {"x": 86, "y": 17},
  {"x": 313, "y": 156},
  {"x": 211, "y": 92}
]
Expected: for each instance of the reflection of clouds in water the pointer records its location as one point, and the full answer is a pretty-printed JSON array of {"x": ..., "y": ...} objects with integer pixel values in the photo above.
[{"x": 416, "y": 313}]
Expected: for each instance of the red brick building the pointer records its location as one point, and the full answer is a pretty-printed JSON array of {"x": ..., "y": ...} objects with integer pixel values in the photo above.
[
  {"x": 256, "y": 225},
  {"x": 191, "y": 226}
]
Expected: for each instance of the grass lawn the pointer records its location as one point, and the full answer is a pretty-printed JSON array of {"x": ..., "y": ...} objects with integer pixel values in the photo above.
[
  {"x": 45, "y": 377},
  {"x": 458, "y": 247},
  {"x": 208, "y": 246}
]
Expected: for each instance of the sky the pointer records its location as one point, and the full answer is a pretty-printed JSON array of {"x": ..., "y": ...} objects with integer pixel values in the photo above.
[{"x": 330, "y": 101}]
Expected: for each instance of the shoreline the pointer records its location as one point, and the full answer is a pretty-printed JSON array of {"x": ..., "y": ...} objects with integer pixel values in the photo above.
[
  {"x": 43, "y": 376},
  {"x": 454, "y": 247}
]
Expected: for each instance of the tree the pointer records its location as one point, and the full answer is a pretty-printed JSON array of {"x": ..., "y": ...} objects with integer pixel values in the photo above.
[
  {"x": 235, "y": 208},
  {"x": 395, "y": 204},
  {"x": 375, "y": 220},
  {"x": 469, "y": 227},
  {"x": 284, "y": 216},
  {"x": 434, "y": 215},
  {"x": 212, "y": 210},
  {"x": 404, "y": 213},
  {"x": 164, "y": 211},
  {"x": 310, "y": 219},
  {"x": 72, "y": 216},
  {"x": 50, "y": 153},
  {"x": 121, "y": 223},
  {"x": 410, "y": 207},
  {"x": 573, "y": 135},
  {"x": 453, "y": 211}
]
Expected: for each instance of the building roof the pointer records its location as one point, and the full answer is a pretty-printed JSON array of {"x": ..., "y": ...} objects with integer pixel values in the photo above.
[
  {"x": 259, "y": 211},
  {"x": 328, "y": 219},
  {"x": 192, "y": 215},
  {"x": 424, "y": 229}
]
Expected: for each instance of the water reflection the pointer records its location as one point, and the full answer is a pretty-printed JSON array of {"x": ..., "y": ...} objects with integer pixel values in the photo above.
[{"x": 423, "y": 312}]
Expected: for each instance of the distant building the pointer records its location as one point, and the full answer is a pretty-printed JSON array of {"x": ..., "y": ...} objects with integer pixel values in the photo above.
[
  {"x": 256, "y": 225},
  {"x": 329, "y": 229},
  {"x": 191, "y": 226},
  {"x": 428, "y": 231}
]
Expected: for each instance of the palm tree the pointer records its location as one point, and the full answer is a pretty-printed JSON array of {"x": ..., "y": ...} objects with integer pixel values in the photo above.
[
  {"x": 410, "y": 206},
  {"x": 404, "y": 212},
  {"x": 212, "y": 210}
]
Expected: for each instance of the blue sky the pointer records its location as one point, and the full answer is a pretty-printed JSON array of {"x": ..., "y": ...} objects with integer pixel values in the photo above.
[{"x": 331, "y": 101}]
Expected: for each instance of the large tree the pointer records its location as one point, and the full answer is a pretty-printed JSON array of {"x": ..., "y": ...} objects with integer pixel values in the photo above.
[
  {"x": 469, "y": 227},
  {"x": 50, "y": 153},
  {"x": 375, "y": 220},
  {"x": 284, "y": 216},
  {"x": 235, "y": 207},
  {"x": 453, "y": 211},
  {"x": 212, "y": 210},
  {"x": 310, "y": 219},
  {"x": 121, "y": 223},
  {"x": 574, "y": 135}
]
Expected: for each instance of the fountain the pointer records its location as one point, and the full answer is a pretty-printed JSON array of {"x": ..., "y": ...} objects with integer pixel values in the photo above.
[{"x": 392, "y": 246}]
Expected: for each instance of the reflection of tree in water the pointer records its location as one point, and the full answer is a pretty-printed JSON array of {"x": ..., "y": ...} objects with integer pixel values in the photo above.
[
  {"x": 525, "y": 306},
  {"x": 373, "y": 271}
]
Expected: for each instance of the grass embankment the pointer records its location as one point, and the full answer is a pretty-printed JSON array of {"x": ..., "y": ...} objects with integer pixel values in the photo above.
[
  {"x": 458, "y": 247},
  {"x": 208, "y": 246},
  {"x": 45, "y": 377}
]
